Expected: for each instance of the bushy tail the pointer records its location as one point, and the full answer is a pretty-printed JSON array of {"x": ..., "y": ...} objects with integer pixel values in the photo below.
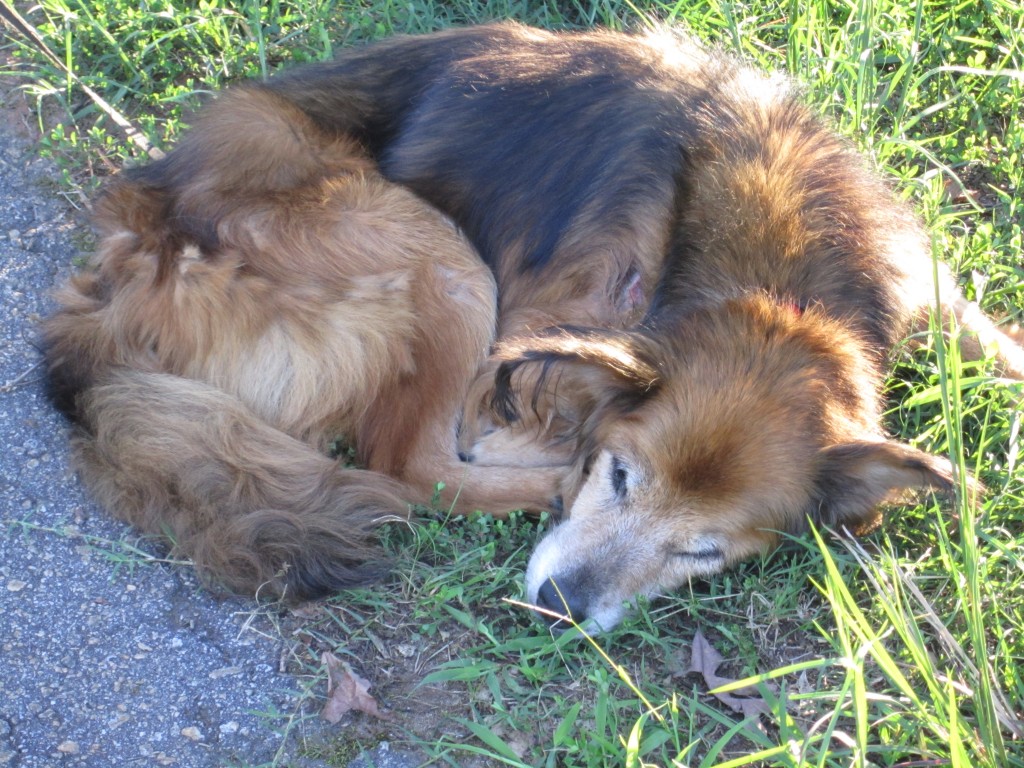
[{"x": 258, "y": 511}]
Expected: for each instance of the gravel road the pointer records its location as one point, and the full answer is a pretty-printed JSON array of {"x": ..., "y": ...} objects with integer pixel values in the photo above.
[{"x": 101, "y": 664}]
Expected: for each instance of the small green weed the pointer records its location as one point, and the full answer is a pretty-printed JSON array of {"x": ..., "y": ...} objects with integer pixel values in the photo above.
[{"x": 125, "y": 554}]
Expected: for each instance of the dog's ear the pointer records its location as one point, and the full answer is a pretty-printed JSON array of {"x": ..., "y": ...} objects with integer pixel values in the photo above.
[
  {"x": 592, "y": 363},
  {"x": 854, "y": 478}
]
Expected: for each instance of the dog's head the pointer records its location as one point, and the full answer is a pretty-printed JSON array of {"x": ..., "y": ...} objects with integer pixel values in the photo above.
[{"x": 699, "y": 440}]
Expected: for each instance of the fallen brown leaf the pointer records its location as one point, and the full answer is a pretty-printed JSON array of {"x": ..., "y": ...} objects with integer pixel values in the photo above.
[
  {"x": 705, "y": 660},
  {"x": 307, "y": 611},
  {"x": 748, "y": 706},
  {"x": 346, "y": 691}
]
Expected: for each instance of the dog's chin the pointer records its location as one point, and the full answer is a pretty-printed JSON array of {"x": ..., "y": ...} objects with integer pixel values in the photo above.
[{"x": 606, "y": 619}]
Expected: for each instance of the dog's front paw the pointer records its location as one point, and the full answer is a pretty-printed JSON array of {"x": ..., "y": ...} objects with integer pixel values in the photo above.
[{"x": 509, "y": 447}]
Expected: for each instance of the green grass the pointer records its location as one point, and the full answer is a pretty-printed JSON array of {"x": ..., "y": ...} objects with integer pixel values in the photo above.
[{"x": 903, "y": 649}]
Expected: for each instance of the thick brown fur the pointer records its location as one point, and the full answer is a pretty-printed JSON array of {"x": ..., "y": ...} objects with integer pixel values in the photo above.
[
  {"x": 698, "y": 287},
  {"x": 208, "y": 382}
]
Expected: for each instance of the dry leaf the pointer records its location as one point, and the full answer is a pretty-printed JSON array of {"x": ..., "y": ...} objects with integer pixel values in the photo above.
[
  {"x": 346, "y": 691},
  {"x": 803, "y": 683},
  {"x": 748, "y": 706},
  {"x": 307, "y": 611},
  {"x": 705, "y": 660}
]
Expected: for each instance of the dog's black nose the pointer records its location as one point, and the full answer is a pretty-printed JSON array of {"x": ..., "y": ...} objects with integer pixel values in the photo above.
[{"x": 561, "y": 599}]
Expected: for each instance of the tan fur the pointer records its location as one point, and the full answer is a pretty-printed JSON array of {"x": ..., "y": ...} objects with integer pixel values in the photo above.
[
  {"x": 749, "y": 404},
  {"x": 335, "y": 306},
  {"x": 690, "y": 353}
]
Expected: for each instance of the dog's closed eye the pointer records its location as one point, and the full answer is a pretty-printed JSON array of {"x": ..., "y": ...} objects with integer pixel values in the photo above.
[{"x": 619, "y": 475}]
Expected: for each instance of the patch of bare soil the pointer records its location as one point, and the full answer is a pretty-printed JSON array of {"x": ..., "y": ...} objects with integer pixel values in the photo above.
[{"x": 365, "y": 674}]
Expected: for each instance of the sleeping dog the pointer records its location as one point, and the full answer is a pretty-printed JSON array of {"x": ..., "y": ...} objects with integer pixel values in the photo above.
[{"x": 623, "y": 275}]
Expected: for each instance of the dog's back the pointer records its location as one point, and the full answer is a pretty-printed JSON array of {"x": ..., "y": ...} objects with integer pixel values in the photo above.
[{"x": 583, "y": 162}]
